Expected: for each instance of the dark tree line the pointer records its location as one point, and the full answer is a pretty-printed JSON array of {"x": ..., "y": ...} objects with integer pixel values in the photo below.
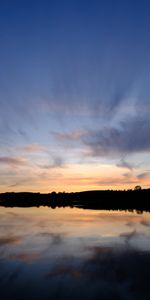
[{"x": 109, "y": 199}]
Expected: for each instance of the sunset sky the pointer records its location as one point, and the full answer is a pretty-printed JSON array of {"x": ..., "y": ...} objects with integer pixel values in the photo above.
[{"x": 74, "y": 95}]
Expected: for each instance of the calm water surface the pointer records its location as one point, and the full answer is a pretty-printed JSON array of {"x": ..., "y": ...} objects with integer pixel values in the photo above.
[{"x": 67, "y": 253}]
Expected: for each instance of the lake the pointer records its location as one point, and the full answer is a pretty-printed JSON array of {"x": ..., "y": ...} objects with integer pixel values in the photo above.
[{"x": 73, "y": 253}]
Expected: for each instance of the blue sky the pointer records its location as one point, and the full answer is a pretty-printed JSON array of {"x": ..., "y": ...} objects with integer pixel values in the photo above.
[{"x": 74, "y": 94}]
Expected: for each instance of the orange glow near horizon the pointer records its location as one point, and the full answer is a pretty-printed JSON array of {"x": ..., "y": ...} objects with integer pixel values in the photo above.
[{"x": 74, "y": 178}]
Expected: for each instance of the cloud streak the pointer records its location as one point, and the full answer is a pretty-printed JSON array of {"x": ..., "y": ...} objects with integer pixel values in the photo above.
[
  {"x": 13, "y": 161},
  {"x": 143, "y": 175},
  {"x": 31, "y": 148},
  {"x": 124, "y": 164},
  {"x": 58, "y": 162},
  {"x": 128, "y": 137}
]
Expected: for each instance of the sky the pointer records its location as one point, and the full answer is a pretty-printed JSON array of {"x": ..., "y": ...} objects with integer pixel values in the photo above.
[{"x": 74, "y": 95}]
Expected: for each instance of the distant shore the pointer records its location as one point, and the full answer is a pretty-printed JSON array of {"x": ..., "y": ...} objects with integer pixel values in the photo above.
[{"x": 109, "y": 199}]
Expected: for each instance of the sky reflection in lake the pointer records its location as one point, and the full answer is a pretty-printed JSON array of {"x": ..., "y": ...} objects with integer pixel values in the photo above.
[{"x": 70, "y": 253}]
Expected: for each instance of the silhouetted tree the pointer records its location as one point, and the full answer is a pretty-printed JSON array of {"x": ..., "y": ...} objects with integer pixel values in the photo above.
[{"x": 137, "y": 188}]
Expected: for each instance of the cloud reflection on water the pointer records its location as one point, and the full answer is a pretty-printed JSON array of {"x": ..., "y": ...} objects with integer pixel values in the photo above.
[{"x": 75, "y": 254}]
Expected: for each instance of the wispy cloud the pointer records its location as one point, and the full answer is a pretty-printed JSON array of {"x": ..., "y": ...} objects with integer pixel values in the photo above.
[
  {"x": 117, "y": 181},
  {"x": 124, "y": 164},
  {"x": 143, "y": 175},
  {"x": 69, "y": 136},
  {"x": 15, "y": 161},
  {"x": 128, "y": 137},
  {"x": 34, "y": 148},
  {"x": 57, "y": 162}
]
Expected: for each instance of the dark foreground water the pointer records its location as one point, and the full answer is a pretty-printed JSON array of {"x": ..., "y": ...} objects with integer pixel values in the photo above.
[{"x": 72, "y": 254}]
